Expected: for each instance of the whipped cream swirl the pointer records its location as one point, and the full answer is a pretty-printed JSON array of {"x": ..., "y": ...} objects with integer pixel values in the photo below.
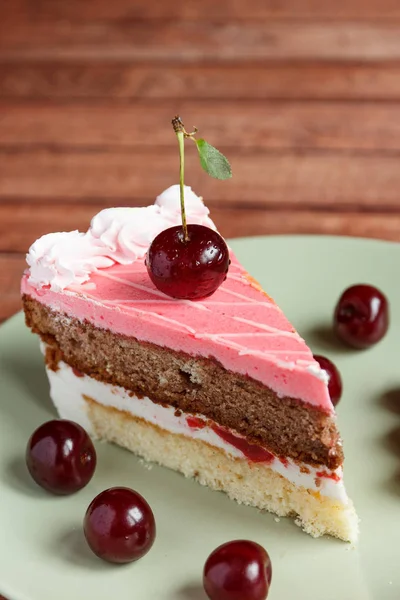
[
  {"x": 126, "y": 233},
  {"x": 61, "y": 259},
  {"x": 170, "y": 208},
  {"x": 116, "y": 235}
]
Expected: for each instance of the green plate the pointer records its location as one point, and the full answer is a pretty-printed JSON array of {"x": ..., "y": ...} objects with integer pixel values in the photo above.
[{"x": 43, "y": 555}]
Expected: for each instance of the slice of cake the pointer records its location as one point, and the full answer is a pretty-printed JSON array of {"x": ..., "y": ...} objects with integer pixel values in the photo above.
[{"x": 223, "y": 390}]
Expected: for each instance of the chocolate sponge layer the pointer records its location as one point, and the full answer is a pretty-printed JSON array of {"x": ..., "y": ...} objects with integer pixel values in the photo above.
[{"x": 286, "y": 426}]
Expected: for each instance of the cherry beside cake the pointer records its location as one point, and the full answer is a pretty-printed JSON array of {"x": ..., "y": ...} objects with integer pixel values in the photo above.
[{"x": 222, "y": 389}]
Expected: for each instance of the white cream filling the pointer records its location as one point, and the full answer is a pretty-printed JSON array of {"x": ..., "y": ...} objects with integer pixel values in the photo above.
[{"x": 68, "y": 391}]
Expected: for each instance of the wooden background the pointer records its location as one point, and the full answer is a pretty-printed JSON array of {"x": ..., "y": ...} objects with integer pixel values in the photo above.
[{"x": 302, "y": 95}]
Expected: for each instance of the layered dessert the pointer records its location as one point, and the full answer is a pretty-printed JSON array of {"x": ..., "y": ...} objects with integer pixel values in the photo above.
[{"x": 223, "y": 390}]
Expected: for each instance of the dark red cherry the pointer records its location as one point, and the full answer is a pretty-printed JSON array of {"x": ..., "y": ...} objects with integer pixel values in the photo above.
[
  {"x": 119, "y": 525},
  {"x": 335, "y": 386},
  {"x": 239, "y": 570},
  {"x": 361, "y": 316},
  {"x": 193, "y": 269},
  {"x": 60, "y": 457}
]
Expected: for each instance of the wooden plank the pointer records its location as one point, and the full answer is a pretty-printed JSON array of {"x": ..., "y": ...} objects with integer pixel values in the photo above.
[
  {"x": 204, "y": 10},
  {"x": 191, "y": 41},
  {"x": 22, "y": 225},
  {"x": 11, "y": 269},
  {"x": 260, "y": 178},
  {"x": 116, "y": 80},
  {"x": 239, "y": 223},
  {"x": 264, "y": 125}
]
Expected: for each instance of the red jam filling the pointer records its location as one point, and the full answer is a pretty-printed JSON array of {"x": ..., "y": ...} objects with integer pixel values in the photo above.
[
  {"x": 333, "y": 476},
  {"x": 77, "y": 373},
  {"x": 195, "y": 423},
  {"x": 251, "y": 451}
]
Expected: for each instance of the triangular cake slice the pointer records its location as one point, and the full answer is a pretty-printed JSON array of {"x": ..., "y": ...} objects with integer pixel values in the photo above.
[{"x": 223, "y": 390}]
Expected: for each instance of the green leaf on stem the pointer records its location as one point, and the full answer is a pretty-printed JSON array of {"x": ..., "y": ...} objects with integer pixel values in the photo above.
[{"x": 213, "y": 162}]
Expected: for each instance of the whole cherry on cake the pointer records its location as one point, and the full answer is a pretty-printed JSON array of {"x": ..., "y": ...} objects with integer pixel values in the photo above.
[
  {"x": 361, "y": 316},
  {"x": 190, "y": 262},
  {"x": 119, "y": 525},
  {"x": 60, "y": 457},
  {"x": 335, "y": 386},
  {"x": 193, "y": 268},
  {"x": 238, "y": 570}
]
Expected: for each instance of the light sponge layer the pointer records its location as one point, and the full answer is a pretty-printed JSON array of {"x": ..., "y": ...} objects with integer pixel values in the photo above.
[{"x": 254, "y": 484}]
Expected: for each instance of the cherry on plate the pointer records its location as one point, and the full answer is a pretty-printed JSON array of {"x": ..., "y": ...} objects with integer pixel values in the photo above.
[
  {"x": 192, "y": 269},
  {"x": 119, "y": 525},
  {"x": 361, "y": 316},
  {"x": 238, "y": 570},
  {"x": 335, "y": 386},
  {"x": 60, "y": 457}
]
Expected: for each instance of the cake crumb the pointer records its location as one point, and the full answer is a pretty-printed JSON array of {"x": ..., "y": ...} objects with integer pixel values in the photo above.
[
  {"x": 277, "y": 520},
  {"x": 193, "y": 371},
  {"x": 146, "y": 465},
  {"x": 163, "y": 381}
]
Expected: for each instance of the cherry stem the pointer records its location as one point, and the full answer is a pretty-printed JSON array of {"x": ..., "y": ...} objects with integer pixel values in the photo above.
[
  {"x": 180, "y": 134},
  {"x": 181, "y": 142}
]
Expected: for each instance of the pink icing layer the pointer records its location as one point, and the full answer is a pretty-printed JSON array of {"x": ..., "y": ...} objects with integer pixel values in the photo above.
[{"x": 239, "y": 325}]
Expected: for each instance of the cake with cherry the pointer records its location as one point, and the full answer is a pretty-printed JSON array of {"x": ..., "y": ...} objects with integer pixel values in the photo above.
[{"x": 156, "y": 338}]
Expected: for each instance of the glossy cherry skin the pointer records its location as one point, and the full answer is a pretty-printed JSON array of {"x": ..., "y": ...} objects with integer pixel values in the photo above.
[
  {"x": 238, "y": 570},
  {"x": 60, "y": 457},
  {"x": 193, "y": 269},
  {"x": 119, "y": 525},
  {"x": 335, "y": 385},
  {"x": 361, "y": 316}
]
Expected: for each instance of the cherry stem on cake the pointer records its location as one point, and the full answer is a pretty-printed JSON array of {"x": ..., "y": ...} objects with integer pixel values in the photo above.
[
  {"x": 192, "y": 261},
  {"x": 181, "y": 134},
  {"x": 212, "y": 161}
]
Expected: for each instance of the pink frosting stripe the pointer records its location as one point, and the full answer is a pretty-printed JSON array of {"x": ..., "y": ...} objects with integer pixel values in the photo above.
[{"x": 239, "y": 325}]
